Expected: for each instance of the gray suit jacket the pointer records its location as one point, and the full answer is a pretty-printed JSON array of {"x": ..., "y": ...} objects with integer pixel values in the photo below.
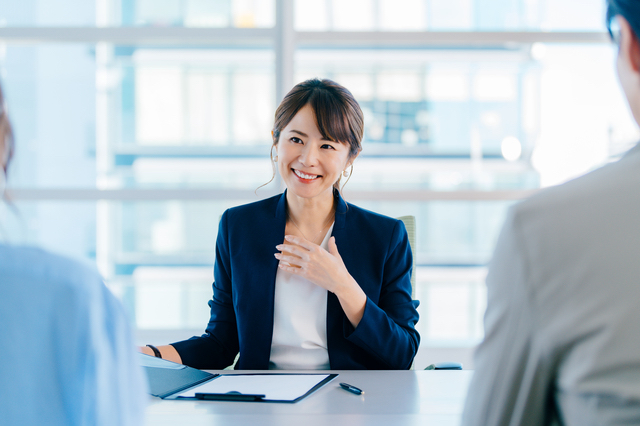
[{"x": 562, "y": 326}]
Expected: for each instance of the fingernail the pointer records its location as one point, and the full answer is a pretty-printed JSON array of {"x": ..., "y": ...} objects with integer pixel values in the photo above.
[
  {"x": 276, "y": 255},
  {"x": 279, "y": 247},
  {"x": 288, "y": 237}
]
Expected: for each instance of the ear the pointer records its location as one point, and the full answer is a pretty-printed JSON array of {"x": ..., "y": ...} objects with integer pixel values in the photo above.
[
  {"x": 629, "y": 45},
  {"x": 351, "y": 160}
]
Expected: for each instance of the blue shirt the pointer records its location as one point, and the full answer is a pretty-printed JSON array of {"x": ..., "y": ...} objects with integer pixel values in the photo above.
[{"x": 66, "y": 351}]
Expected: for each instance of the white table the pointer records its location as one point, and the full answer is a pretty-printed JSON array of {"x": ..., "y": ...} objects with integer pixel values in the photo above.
[{"x": 391, "y": 398}]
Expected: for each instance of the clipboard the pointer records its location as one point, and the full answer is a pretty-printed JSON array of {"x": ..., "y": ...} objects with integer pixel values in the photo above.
[{"x": 168, "y": 380}]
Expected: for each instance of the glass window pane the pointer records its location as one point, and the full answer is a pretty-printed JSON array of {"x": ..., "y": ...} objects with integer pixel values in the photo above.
[
  {"x": 449, "y": 15},
  {"x": 51, "y": 99},
  {"x": 157, "y": 13},
  {"x": 49, "y": 13},
  {"x": 452, "y": 305},
  {"x": 472, "y": 119},
  {"x": 179, "y": 117},
  {"x": 192, "y": 13}
]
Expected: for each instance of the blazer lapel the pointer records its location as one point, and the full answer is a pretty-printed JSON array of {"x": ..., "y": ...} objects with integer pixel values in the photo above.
[{"x": 335, "y": 315}]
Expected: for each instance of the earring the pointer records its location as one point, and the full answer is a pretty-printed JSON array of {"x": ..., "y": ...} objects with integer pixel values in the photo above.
[
  {"x": 345, "y": 174},
  {"x": 275, "y": 159}
]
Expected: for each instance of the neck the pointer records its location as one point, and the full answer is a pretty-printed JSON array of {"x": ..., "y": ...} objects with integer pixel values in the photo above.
[{"x": 311, "y": 213}]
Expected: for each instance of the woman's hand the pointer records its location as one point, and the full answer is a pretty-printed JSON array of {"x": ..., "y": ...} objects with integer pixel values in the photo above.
[{"x": 325, "y": 269}]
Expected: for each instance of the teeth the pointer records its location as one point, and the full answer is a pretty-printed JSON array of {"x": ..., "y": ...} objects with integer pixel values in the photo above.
[{"x": 304, "y": 176}]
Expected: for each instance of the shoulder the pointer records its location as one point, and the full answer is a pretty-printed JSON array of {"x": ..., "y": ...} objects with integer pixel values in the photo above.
[
  {"x": 569, "y": 230},
  {"x": 374, "y": 228},
  {"x": 42, "y": 271},
  {"x": 256, "y": 208},
  {"x": 584, "y": 201},
  {"x": 359, "y": 217}
]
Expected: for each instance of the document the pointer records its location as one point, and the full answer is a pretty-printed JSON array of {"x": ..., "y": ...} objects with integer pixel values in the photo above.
[{"x": 276, "y": 387}]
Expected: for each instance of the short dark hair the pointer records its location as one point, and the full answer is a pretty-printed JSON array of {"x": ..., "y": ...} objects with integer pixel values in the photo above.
[
  {"x": 629, "y": 9},
  {"x": 6, "y": 135},
  {"x": 338, "y": 115}
]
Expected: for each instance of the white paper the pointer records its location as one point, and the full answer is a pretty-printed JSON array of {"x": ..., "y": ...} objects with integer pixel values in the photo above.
[{"x": 278, "y": 387}]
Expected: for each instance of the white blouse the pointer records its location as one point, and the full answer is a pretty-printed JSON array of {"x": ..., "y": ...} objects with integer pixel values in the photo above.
[{"x": 300, "y": 322}]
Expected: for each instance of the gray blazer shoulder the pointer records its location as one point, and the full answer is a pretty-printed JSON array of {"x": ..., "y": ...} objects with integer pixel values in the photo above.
[{"x": 561, "y": 333}]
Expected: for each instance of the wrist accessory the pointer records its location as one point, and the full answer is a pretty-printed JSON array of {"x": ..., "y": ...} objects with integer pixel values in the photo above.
[{"x": 156, "y": 352}]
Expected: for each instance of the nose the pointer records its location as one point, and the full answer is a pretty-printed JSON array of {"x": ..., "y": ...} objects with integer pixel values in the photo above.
[{"x": 309, "y": 155}]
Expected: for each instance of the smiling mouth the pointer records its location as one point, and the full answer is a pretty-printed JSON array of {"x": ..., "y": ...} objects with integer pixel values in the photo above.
[{"x": 304, "y": 175}]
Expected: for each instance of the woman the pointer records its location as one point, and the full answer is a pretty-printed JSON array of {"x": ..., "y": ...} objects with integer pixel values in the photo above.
[
  {"x": 303, "y": 281},
  {"x": 67, "y": 354}
]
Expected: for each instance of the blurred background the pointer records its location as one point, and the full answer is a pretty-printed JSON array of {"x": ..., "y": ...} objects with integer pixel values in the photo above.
[{"x": 138, "y": 122}]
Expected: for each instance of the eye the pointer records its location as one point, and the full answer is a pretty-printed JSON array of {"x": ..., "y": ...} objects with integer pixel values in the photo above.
[
  {"x": 295, "y": 140},
  {"x": 328, "y": 146}
]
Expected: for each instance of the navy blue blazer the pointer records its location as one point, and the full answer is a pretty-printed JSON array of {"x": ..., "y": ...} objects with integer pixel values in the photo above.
[{"x": 376, "y": 252}]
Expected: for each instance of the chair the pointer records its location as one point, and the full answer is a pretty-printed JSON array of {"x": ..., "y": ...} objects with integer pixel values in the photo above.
[{"x": 410, "y": 225}]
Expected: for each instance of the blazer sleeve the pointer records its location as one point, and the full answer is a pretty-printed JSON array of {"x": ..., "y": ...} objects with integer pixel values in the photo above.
[
  {"x": 511, "y": 383},
  {"x": 217, "y": 348},
  {"x": 387, "y": 329}
]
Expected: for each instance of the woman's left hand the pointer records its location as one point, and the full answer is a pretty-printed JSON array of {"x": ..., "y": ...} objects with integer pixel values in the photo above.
[{"x": 325, "y": 269}]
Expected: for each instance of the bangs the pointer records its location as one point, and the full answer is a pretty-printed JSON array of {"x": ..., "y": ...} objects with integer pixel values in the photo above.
[{"x": 330, "y": 117}]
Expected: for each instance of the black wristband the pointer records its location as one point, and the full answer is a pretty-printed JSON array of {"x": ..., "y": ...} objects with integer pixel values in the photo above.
[{"x": 156, "y": 352}]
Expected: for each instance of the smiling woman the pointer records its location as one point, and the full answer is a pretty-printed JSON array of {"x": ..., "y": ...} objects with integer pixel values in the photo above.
[
  {"x": 336, "y": 294},
  {"x": 306, "y": 156}
]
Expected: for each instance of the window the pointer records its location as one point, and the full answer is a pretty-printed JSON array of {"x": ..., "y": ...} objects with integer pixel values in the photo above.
[{"x": 139, "y": 122}]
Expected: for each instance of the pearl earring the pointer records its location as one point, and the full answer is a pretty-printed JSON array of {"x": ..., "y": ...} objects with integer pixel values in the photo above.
[{"x": 275, "y": 159}]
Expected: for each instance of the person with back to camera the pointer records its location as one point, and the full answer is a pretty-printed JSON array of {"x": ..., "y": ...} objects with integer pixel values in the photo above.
[
  {"x": 562, "y": 326},
  {"x": 302, "y": 280},
  {"x": 67, "y": 355}
]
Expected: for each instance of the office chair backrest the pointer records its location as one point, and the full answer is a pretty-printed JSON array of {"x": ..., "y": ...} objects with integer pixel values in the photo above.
[{"x": 410, "y": 224}]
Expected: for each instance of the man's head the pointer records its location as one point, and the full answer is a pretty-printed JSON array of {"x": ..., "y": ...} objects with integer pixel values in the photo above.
[{"x": 626, "y": 14}]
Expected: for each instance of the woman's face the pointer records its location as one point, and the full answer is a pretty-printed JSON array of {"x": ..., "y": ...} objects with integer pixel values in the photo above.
[{"x": 309, "y": 164}]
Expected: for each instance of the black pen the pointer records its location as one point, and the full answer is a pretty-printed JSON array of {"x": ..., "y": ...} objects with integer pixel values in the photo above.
[
  {"x": 352, "y": 389},
  {"x": 231, "y": 396}
]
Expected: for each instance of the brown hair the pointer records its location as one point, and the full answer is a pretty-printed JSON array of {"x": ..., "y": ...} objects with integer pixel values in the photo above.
[{"x": 337, "y": 113}]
